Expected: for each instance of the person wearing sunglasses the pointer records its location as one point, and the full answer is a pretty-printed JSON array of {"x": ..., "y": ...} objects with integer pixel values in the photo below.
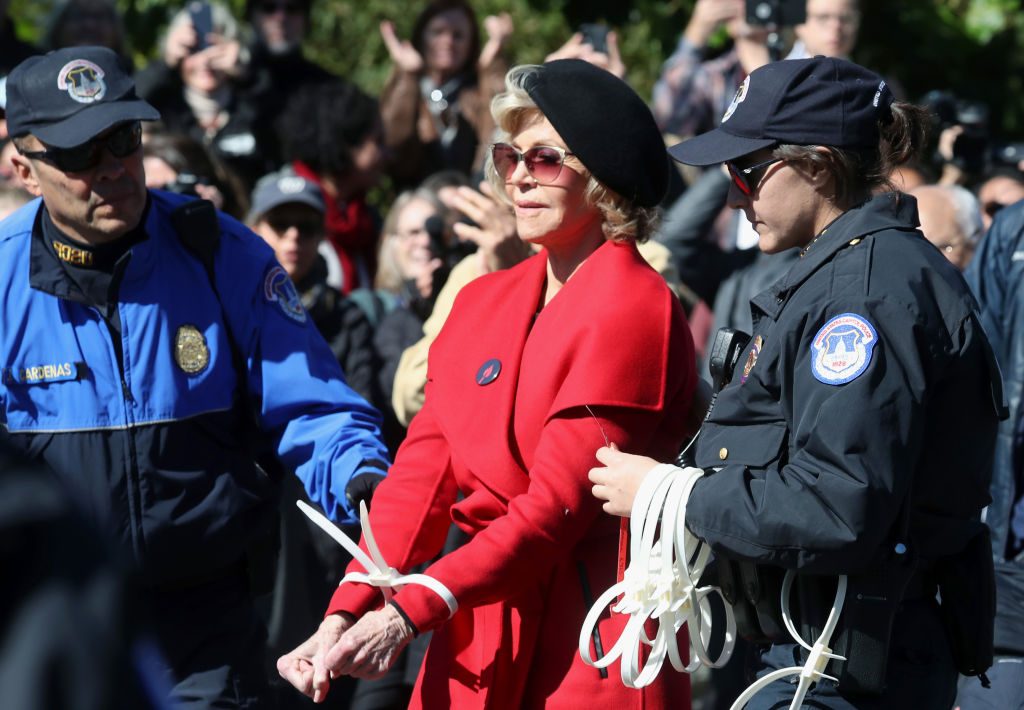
[
  {"x": 854, "y": 436},
  {"x": 537, "y": 364},
  {"x": 140, "y": 328}
]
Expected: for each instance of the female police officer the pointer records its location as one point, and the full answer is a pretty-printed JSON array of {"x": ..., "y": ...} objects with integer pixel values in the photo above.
[{"x": 851, "y": 437}]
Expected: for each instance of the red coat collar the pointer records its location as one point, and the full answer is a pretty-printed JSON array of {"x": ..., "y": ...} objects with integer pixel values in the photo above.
[{"x": 492, "y": 320}]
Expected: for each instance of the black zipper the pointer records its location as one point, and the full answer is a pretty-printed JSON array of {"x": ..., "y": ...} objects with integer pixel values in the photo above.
[
  {"x": 131, "y": 473},
  {"x": 588, "y": 599}
]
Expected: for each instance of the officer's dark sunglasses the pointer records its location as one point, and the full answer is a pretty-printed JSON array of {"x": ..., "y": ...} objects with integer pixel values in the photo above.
[
  {"x": 121, "y": 142},
  {"x": 747, "y": 179},
  {"x": 543, "y": 162}
]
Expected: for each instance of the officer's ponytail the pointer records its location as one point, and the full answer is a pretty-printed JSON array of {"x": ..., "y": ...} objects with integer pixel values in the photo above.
[
  {"x": 902, "y": 137},
  {"x": 860, "y": 173}
]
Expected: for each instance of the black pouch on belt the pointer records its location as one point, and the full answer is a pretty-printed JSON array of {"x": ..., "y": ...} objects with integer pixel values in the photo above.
[
  {"x": 754, "y": 593},
  {"x": 864, "y": 631},
  {"x": 967, "y": 589}
]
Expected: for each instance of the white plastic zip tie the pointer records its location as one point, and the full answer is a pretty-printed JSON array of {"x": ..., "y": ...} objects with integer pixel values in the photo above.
[
  {"x": 661, "y": 583},
  {"x": 820, "y": 654},
  {"x": 378, "y": 573}
]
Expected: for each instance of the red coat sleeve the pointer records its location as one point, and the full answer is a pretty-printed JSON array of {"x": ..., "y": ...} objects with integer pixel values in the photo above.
[
  {"x": 542, "y": 525},
  {"x": 410, "y": 511}
]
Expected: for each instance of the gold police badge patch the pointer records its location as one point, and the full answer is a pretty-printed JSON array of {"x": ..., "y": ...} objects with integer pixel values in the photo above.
[{"x": 190, "y": 350}]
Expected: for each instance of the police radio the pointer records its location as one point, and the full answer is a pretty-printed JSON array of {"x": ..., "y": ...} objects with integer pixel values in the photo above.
[
  {"x": 725, "y": 353},
  {"x": 722, "y": 358}
]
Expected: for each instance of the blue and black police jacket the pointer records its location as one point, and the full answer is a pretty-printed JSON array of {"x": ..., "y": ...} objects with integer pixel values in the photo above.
[{"x": 159, "y": 447}]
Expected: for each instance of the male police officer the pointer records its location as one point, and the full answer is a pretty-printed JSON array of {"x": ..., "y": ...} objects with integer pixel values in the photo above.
[{"x": 146, "y": 348}]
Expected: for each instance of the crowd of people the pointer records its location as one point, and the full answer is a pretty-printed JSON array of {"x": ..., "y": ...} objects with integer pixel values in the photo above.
[{"x": 539, "y": 298}]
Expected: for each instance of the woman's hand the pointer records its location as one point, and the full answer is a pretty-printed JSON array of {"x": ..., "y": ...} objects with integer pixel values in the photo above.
[
  {"x": 707, "y": 16},
  {"x": 368, "y": 649},
  {"x": 576, "y": 48},
  {"x": 403, "y": 54},
  {"x": 224, "y": 55},
  {"x": 305, "y": 667},
  {"x": 422, "y": 266},
  {"x": 179, "y": 44},
  {"x": 499, "y": 28},
  {"x": 617, "y": 482},
  {"x": 495, "y": 234}
]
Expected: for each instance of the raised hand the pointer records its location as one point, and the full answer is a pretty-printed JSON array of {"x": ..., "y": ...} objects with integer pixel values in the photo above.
[
  {"x": 403, "y": 54},
  {"x": 498, "y": 28},
  {"x": 495, "y": 234}
]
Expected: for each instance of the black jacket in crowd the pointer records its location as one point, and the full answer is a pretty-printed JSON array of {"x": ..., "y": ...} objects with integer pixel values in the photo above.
[
  {"x": 247, "y": 144},
  {"x": 996, "y": 275}
]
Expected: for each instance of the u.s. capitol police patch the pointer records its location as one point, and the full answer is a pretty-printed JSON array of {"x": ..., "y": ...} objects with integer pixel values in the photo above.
[
  {"x": 278, "y": 288},
  {"x": 841, "y": 350}
]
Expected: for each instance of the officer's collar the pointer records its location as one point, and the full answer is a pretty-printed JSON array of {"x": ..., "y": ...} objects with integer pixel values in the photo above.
[
  {"x": 48, "y": 265},
  {"x": 891, "y": 210}
]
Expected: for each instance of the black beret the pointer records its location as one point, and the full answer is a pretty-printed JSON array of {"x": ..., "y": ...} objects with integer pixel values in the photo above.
[{"x": 606, "y": 125}]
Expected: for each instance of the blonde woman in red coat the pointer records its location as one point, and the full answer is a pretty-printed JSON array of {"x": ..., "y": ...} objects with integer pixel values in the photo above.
[{"x": 536, "y": 367}]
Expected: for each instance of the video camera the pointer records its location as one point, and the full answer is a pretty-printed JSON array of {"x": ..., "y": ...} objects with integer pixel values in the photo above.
[
  {"x": 776, "y": 13},
  {"x": 971, "y": 149}
]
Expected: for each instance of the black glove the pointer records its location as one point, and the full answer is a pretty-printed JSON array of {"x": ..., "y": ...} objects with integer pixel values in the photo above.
[{"x": 361, "y": 488}]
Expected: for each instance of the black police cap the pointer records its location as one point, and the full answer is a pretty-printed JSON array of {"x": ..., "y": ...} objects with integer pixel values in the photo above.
[
  {"x": 818, "y": 101},
  {"x": 606, "y": 125},
  {"x": 69, "y": 96}
]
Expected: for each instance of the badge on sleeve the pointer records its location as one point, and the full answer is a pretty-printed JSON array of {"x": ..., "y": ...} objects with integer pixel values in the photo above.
[
  {"x": 279, "y": 289},
  {"x": 755, "y": 350},
  {"x": 841, "y": 350}
]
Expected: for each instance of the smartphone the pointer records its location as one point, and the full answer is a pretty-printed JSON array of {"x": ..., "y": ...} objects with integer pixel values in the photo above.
[
  {"x": 596, "y": 35},
  {"x": 201, "y": 15},
  {"x": 777, "y": 13}
]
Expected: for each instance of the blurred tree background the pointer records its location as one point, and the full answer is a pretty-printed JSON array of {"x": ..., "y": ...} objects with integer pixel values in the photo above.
[{"x": 971, "y": 47}]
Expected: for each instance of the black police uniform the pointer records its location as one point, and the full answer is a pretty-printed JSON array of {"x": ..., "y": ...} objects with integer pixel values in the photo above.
[{"x": 867, "y": 392}]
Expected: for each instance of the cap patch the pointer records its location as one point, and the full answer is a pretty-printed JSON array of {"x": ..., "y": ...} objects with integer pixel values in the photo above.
[
  {"x": 291, "y": 184},
  {"x": 83, "y": 81},
  {"x": 278, "y": 288},
  {"x": 741, "y": 94},
  {"x": 841, "y": 350}
]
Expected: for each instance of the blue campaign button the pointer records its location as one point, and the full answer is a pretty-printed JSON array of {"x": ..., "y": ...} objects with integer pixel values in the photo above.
[{"x": 488, "y": 372}]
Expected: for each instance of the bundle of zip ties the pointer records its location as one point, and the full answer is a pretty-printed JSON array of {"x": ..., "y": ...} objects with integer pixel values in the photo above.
[
  {"x": 378, "y": 573},
  {"x": 661, "y": 584}
]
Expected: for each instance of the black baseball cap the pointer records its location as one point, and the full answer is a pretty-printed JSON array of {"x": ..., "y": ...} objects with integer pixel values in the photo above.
[
  {"x": 819, "y": 101},
  {"x": 70, "y": 96}
]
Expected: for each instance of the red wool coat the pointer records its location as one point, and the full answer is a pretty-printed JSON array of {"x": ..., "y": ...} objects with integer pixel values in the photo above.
[{"x": 518, "y": 448}]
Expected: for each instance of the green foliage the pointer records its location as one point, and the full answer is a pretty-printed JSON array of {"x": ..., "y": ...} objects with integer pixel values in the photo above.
[{"x": 974, "y": 47}]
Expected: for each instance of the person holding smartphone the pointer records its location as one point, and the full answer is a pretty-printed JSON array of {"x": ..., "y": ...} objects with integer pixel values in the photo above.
[{"x": 200, "y": 90}]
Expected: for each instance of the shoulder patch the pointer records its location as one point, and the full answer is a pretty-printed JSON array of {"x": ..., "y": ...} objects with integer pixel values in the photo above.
[
  {"x": 841, "y": 349},
  {"x": 279, "y": 289}
]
